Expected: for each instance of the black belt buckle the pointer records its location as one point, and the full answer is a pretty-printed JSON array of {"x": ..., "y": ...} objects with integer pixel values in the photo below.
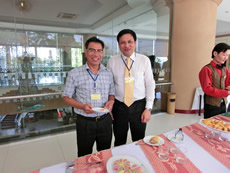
[{"x": 97, "y": 118}]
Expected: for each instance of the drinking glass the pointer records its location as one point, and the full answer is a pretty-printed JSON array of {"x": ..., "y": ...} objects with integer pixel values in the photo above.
[
  {"x": 181, "y": 155},
  {"x": 209, "y": 134},
  {"x": 221, "y": 137},
  {"x": 173, "y": 148},
  {"x": 163, "y": 151}
]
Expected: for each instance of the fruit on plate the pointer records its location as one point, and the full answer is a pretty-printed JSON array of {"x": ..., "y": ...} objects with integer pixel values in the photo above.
[{"x": 154, "y": 140}]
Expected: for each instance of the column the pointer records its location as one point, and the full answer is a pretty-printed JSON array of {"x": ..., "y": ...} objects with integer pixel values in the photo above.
[{"x": 193, "y": 38}]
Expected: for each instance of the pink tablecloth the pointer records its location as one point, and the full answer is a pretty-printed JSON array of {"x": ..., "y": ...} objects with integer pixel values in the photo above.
[
  {"x": 218, "y": 149},
  {"x": 168, "y": 165},
  {"x": 87, "y": 168}
]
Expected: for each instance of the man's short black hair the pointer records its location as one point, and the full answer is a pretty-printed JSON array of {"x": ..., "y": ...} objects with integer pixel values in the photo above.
[
  {"x": 126, "y": 31},
  {"x": 221, "y": 47},
  {"x": 94, "y": 39}
]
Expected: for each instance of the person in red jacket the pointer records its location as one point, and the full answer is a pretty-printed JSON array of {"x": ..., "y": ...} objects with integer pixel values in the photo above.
[{"x": 214, "y": 78}]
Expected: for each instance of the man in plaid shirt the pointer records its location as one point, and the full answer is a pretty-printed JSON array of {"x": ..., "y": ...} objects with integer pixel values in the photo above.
[{"x": 89, "y": 87}]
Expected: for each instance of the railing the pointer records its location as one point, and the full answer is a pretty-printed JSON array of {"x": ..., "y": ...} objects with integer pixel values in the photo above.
[
  {"x": 31, "y": 103},
  {"x": 2, "y": 118},
  {"x": 58, "y": 93},
  {"x": 164, "y": 83},
  {"x": 29, "y": 96},
  {"x": 22, "y": 120}
]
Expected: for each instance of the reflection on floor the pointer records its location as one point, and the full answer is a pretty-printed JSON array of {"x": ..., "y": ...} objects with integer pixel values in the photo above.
[{"x": 40, "y": 152}]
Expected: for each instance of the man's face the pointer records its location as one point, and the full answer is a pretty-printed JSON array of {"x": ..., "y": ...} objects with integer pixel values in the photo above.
[
  {"x": 127, "y": 44},
  {"x": 221, "y": 57},
  {"x": 94, "y": 53}
]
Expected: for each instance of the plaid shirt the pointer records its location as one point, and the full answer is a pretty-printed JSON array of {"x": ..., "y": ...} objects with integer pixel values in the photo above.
[{"x": 80, "y": 86}]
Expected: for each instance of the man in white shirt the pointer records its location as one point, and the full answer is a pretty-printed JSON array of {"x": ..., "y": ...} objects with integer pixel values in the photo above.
[{"x": 136, "y": 114}]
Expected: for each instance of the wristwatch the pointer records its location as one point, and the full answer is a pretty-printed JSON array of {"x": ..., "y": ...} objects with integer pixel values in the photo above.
[{"x": 149, "y": 109}]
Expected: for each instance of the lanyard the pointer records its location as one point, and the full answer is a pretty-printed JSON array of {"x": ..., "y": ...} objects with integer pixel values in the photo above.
[
  {"x": 126, "y": 64},
  {"x": 94, "y": 79}
]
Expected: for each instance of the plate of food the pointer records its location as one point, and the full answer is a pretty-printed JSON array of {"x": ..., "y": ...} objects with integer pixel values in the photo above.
[
  {"x": 154, "y": 140},
  {"x": 100, "y": 110},
  {"x": 125, "y": 163},
  {"x": 217, "y": 125}
]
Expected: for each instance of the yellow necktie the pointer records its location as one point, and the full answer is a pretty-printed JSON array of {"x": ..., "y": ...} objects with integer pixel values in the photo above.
[{"x": 128, "y": 97}]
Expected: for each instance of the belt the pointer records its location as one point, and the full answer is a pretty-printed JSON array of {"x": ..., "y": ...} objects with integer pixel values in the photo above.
[{"x": 98, "y": 118}]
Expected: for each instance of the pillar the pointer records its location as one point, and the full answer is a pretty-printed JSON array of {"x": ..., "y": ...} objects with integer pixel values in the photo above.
[{"x": 193, "y": 38}]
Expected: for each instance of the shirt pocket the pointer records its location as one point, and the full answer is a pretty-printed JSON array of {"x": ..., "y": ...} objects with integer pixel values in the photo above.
[{"x": 139, "y": 80}]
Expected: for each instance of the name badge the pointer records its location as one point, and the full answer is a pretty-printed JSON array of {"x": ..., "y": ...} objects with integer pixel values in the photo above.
[
  {"x": 129, "y": 79},
  {"x": 95, "y": 96}
]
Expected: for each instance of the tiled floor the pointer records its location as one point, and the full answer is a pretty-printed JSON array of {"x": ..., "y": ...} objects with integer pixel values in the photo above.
[{"x": 32, "y": 154}]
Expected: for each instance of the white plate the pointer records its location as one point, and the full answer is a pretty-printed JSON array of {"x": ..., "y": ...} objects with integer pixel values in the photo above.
[
  {"x": 172, "y": 138},
  {"x": 101, "y": 110},
  {"x": 133, "y": 160},
  {"x": 147, "y": 138},
  {"x": 217, "y": 130}
]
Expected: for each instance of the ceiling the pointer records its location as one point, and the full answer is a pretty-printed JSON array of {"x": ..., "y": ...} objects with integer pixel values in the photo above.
[{"x": 149, "y": 18}]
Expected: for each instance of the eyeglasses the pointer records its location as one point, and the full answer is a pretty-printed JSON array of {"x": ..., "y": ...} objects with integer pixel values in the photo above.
[{"x": 92, "y": 50}]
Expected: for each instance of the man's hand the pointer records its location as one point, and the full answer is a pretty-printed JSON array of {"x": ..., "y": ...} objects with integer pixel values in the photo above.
[
  {"x": 87, "y": 108},
  {"x": 146, "y": 116},
  {"x": 109, "y": 104}
]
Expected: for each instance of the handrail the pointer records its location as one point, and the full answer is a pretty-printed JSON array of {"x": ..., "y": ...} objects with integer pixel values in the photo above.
[
  {"x": 166, "y": 83},
  {"x": 29, "y": 96},
  {"x": 57, "y": 93}
]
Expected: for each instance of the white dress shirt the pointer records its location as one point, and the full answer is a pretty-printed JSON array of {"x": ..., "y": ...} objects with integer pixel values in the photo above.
[{"x": 144, "y": 84}]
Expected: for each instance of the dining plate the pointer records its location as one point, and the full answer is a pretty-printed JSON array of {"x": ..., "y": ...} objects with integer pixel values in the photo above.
[
  {"x": 177, "y": 139},
  {"x": 147, "y": 138},
  {"x": 217, "y": 130},
  {"x": 134, "y": 162},
  {"x": 101, "y": 110}
]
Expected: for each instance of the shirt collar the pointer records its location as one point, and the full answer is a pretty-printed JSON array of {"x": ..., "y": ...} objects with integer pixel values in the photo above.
[
  {"x": 215, "y": 64},
  {"x": 133, "y": 56},
  {"x": 102, "y": 67}
]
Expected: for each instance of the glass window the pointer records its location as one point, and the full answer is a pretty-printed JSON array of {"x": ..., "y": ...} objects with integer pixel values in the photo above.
[
  {"x": 110, "y": 49},
  {"x": 34, "y": 65},
  {"x": 145, "y": 47}
]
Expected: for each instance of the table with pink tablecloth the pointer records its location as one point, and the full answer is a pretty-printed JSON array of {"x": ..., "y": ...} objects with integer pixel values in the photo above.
[{"x": 203, "y": 155}]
